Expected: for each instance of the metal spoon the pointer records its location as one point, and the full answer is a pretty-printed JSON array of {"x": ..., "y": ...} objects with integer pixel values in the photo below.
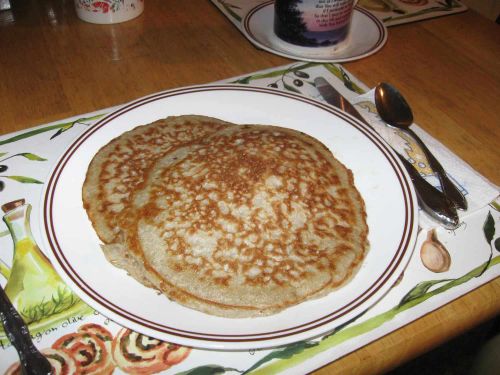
[
  {"x": 395, "y": 111},
  {"x": 431, "y": 200}
]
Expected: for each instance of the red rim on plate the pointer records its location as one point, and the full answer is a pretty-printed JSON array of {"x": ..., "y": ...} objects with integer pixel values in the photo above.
[{"x": 71, "y": 261}]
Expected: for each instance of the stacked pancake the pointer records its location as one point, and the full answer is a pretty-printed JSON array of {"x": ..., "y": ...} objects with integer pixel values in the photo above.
[{"x": 232, "y": 220}]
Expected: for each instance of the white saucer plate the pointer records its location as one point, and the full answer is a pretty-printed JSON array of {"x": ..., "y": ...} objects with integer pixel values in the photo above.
[
  {"x": 368, "y": 35},
  {"x": 73, "y": 245}
]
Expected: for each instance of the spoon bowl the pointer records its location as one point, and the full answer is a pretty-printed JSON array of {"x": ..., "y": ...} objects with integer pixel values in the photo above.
[
  {"x": 392, "y": 106},
  {"x": 395, "y": 111}
]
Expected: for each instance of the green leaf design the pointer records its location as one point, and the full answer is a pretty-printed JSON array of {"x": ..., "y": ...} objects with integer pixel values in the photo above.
[
  {"x": 497, "y": 244},
  {"x": 419, "y": 290},
  {"x": 489, "y": 234},
  {"x": 229, "y": 9},
  {"x": 443, "y": 7},
  {"x": 61, "y": 130},
  {"x": 495, "y": 205},
  {"x": 24, "y": 179},
  {"x": 347, "y": 323},
  {"x": 337, "y": 72},
  {"x": 62, "y": 300},
  {"x": 274, "y": 73},
  {"x": 3, "y": 154},
  {"x": 207, "y": 370},
  {"x": 34, "y": 132},
  {"x": 244, "y": 80},
  {"x": 30, "y": 133},
  {"x": 489, "y": 228},
  {"x": 285, "y": 353},
  {"x": 30, "y": 156}
]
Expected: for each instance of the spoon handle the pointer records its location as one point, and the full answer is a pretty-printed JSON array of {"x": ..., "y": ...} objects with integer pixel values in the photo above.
[
  {"x": 31, "y": 360},
  {"x": 449, "y": 188}
]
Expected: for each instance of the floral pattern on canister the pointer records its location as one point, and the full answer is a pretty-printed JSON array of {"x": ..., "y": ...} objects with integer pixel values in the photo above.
[
  {"x": 108, "y": 11},
  {"x": 105, "y": 6}
]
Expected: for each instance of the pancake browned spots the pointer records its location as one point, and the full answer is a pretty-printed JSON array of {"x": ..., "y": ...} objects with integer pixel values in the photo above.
[
  {"x": 120, "y": 166},
  {"x": 247, "y": 222}
]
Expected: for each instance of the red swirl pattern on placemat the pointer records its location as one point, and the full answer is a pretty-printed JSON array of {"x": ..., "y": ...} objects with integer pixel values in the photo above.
[
  {"x": 88, "y": 348},
  {"x": 140, "y": 354},
  {"x": 92, "y": 349},
  {"x": 100, "y": 332}
]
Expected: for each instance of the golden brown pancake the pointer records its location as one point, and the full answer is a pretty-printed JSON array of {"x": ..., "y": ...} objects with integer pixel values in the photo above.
[
  {"x": 121, "y": 166},
  {"x": 247, "y": 222}
]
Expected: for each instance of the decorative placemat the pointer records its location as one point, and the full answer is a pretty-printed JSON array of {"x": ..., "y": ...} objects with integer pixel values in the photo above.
[
  {"x": 445, "y": 264},
  {"x": 397, "y": 12},
  {"x": 390, "y": 12}
]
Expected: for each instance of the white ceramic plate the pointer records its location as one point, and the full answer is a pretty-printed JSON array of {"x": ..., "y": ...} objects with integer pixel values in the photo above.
[
  {"x": 390, "y": 203},
  {"x": 368, "y": 35}
]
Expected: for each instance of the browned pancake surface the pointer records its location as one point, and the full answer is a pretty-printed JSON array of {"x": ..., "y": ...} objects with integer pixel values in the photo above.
[
  {"x": 250, "y": 221},
  {"x": 120, "y": 166}
]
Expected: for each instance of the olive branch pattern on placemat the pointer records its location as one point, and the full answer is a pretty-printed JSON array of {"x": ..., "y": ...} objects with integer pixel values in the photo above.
[
  {"x": 299, "y": 77},
  {"x": 22, "y": 179},
  {"x": 59, "y": 129}
]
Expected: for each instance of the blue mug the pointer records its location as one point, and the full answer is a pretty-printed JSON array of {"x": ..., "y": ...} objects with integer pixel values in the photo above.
[{"x": 313, "y": 23}]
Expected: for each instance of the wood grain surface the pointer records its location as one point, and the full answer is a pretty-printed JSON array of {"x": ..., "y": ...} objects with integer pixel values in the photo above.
[{"x": 53, "y": 66}]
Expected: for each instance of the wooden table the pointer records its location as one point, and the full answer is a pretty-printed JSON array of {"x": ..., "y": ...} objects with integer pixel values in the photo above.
[{"x": 53, "y": 66}]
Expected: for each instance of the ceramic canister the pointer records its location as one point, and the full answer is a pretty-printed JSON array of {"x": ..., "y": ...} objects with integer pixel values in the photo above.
[{"x": 108, "y": 11}]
